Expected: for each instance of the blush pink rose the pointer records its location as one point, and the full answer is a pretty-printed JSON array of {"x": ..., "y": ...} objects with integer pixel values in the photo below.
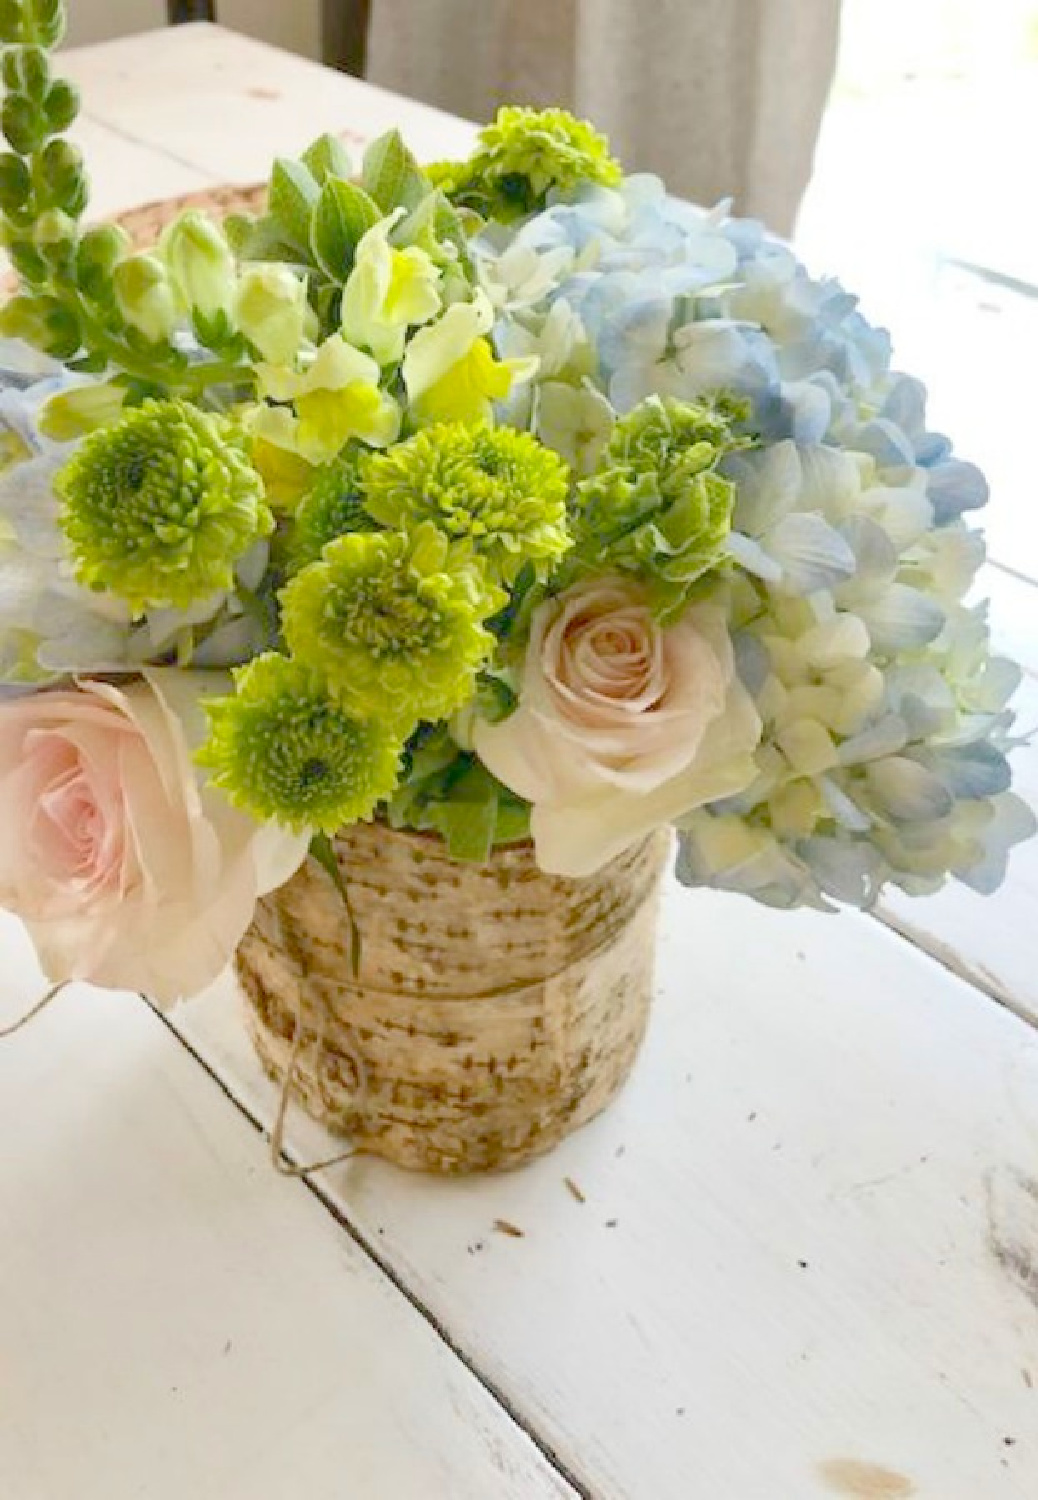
[
  {"x": 622, "y": 725},
  {"x": 126, "y": 868}
]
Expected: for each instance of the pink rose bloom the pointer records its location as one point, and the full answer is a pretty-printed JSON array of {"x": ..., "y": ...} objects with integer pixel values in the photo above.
[
  {"x": 622, "y": 725},
  {"x": 126, "y": 868}
]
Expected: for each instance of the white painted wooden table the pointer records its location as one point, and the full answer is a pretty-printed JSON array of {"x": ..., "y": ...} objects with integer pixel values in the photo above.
[{"x": 807, "y": 1260}]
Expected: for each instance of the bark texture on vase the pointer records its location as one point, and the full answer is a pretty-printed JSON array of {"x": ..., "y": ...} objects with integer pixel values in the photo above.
[{"x": 496, "y": 1008}]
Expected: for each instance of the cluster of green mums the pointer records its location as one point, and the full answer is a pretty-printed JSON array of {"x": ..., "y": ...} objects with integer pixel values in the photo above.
[
  {"x": 400, "y": 576},
  {"x": 396, "y": 580}
]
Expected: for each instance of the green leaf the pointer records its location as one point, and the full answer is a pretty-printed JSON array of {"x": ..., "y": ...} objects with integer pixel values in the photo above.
[
  {"x": 327, "y": 157},
  {"x": 262, "y": 239},
  {"x": 391, "y": 175},
  {"x": 323, "y": 852},
  {"x": 468, "y": 828},
  {"x": 344, "y": 213},
  {"x": 494, "y": 698},
  {"x": 293, "y": 194}
]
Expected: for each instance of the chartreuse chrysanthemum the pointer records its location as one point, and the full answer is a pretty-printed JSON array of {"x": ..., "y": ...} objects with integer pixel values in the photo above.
[
  {"x": 394, "y": 621},
  {"x": 524, "y": 155},
  {"x": 656, "y": 505},
  {"x": 331, "y": 507},
  {"x": 281, "y": 747},
  {"x": 500, "y": 489},
  {"x": 157, "y": 508}
]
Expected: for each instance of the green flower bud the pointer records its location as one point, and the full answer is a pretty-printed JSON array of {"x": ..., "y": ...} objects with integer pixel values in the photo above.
[
  {"x": 26, "y": 70},
  {"x": 15, "y": 183},
  {"x": 61, "y": 105},
  {"x": 61, "y": 180},
  {"x": 272, "y": 312},
  {"x": 144, "y": 296},
  {"x": 48, "y": 21},
  {"x": 54, "y": 235},
  {"x": 200, "y": 264},
  {"x": 100, "y": 251},
  {"x": 27, "y": 260},
  {"x": 12, "y": 19},
  {"x": 44, "y": 322},
  {"x": 22, "y": 123}
]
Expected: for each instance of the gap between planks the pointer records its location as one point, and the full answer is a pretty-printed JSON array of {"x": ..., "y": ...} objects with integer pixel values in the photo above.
[
  {"x": 366, "y": 1246},
  {"x": 973, "y": 974}
]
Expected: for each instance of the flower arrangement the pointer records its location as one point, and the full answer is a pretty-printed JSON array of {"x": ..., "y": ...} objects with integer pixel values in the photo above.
[{"x": 506, "y": 499}]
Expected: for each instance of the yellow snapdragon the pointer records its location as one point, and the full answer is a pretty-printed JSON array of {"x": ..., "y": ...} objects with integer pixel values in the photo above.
[{"x": 450, "y": 370}]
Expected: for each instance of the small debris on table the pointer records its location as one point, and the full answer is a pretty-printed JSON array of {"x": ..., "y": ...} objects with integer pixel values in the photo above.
[
  {"x": 504, "y": 1226},
  {"x": 575, "y": 1191},
  {"x": 611, "y": 1223}
]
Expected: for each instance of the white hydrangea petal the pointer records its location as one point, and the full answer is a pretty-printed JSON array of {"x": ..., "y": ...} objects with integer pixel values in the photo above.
[
  {"x": 767, "y": 486},
  {"x": 901, "y": 618},
  {"x": 973, "y": 770},
  {"x": 811, "y": 553},
  {"x": 843, "y": 808},
  {"x": 907, "y": 791},
  {"x": 851, "y": 872},
  {"x": 884, "y": 738},
  {"x": 1012, "y": 822},
  {"x": 752, "y": 556}
]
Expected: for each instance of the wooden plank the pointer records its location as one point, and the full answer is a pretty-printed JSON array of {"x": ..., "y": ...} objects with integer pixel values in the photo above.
[
  {"x": 806, "y": 1250},
  {"x": 228, "y": 105},
  {"x": 177, "y": 1320}
]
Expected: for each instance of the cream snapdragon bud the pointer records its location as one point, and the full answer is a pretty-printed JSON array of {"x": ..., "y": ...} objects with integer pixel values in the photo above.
[
  {"x": 145, "y": 296},
  {"x": 201, "y": 264},
  {"x": 271, "y": 310}
]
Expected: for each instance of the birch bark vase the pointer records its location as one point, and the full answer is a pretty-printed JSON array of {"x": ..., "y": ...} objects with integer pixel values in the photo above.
[{"x": 496, "y": 1008}]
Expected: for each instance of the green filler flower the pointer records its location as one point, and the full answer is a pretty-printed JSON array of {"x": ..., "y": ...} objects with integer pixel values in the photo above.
[
  {"x": 280, "y": 747},
  {"x": 159, "y": 506},
  {"x": 656, "y": 506},
  {"x": 521, "y": 157}
]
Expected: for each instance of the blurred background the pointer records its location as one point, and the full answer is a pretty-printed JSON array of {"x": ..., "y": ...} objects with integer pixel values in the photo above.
[{"x": 892, "y": 139}]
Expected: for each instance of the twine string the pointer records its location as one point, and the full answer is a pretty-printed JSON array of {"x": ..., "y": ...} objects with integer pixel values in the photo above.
[
  {"x": 282, "y": 1162},
  {"x": 36, "y": 1009}
]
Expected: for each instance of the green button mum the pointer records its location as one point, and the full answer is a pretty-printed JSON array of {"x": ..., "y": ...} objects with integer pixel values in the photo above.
[
  {"x": 500, "y": 489},
  {"x": 158, "y": 507},
  {"x": 394, "y": 621},
  {"x": 331, "y": 507},
  {"x": 281, "y": 748}
]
